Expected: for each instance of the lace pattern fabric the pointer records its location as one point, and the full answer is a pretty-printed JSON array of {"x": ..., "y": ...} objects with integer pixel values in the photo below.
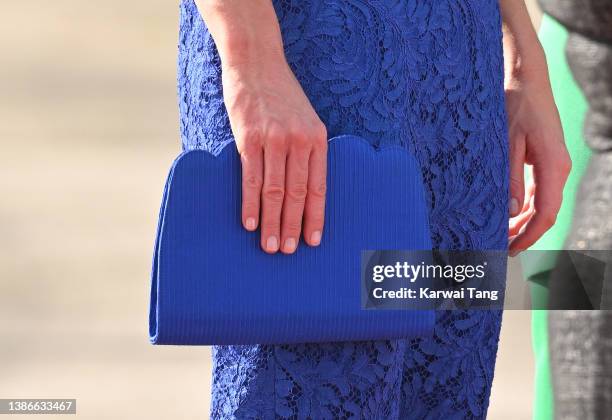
[{"x": 421, "y": 74}]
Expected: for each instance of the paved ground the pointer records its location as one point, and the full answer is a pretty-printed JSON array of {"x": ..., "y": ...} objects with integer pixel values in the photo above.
[{"x": 88, "y": 131}]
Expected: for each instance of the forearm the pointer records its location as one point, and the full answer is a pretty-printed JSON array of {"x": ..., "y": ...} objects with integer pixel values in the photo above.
[
  {"x": 523, "y": 53},
  {"x": 245, "y": 32}
]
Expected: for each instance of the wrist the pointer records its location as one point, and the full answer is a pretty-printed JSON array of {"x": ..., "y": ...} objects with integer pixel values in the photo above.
[
  {"x": 244, "y": 32},
  {"x": 244, "y": 51},
  {"x": 523, "y": 62}
]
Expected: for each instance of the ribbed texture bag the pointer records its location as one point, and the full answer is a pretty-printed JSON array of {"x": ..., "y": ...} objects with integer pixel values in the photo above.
[{"x": 212, "y": 283}]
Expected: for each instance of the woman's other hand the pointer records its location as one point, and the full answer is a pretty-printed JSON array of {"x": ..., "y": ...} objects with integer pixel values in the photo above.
[
  {"x": 535, "y": 133},
  {"x": 281, "y": 140},
  {"x": 536, "y": 139}
]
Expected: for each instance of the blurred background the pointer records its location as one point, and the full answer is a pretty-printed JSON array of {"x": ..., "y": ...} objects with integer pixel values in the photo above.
[{"x": 89, "y": 128}]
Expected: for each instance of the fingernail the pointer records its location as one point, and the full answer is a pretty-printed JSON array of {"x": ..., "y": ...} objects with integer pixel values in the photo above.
[
  {"x": 514, "y": 206},
  {"x": 251, "y": 224},
  {"x": 513, "y": 253},
  {"x": 289, "y": 245},
  {"x": 272, "y": 244},
  {"x": 315, "y": 238}
]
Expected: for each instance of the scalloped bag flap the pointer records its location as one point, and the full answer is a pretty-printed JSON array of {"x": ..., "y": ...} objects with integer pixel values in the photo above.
[{"x": 212, "y": 283}]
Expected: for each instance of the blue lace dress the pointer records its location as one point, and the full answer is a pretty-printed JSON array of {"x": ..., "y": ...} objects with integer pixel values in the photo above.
[{"x": 423, "y": 74}]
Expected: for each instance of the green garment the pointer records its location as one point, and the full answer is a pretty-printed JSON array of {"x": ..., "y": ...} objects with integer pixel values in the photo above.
[{"x": 572, "y": 108}]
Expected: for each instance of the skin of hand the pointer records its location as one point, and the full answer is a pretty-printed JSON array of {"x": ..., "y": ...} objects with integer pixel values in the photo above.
[
  {"x": 535, "y": 133},
  {"x": 280, "y": 138},
  {"x": 282, "y": 142}
]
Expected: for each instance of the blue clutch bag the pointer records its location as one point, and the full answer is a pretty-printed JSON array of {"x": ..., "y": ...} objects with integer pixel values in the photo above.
[{"x": 212, "y": 283}]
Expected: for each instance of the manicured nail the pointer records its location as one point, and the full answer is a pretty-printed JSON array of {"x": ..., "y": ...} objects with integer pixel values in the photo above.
[
  {"x": 315, "y": 238},
  {"x": 513, "y": 253},
  {"x": 289, "y": 245},
  {"x": 251, "y": 224},
  {"x": 272, "y": 244},
  {"x": 514, "y": 206}
]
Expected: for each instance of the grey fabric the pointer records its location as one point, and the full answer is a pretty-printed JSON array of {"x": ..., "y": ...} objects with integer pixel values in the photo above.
[
  {"x": 581, "y": 341},
  {"x": 589, "y": 17},
  {"x": 591, "y": 65},
  {"x": 592, "y": 222},
  {"x": 581, "y": 361}
]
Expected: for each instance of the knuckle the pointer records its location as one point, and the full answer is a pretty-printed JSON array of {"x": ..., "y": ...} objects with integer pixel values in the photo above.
[
  {"x": 297, "y": 192},
  {"x": 320, "y": 131},
  {"x": 249, "y": 151},
  {"x": 318, "y": 190},
  {"x": 274, "y": 193},
  {"x": 251, "y": 135},
  {"x": 550, "y": 218},
  {"x": 516, "y": 143},
  {"x": 276, "y": 136},
  {"x": 250, "y": 207},
  {"x": 300, "y": 141},
  {"x": 292, "y": 225},
  {"x": 566, "y": 163},
  {"x": 276, "y": 145},
  {"x": 516, "y": 184},
  {"x": 253, "y": 182},
  {"x": 315, "y": 221},
  {"x": 320, "y": 143},
  {"x": 294, "y": 127},
  {"x": 270, "y": 226},
  {"x": 315, "y": 215}
]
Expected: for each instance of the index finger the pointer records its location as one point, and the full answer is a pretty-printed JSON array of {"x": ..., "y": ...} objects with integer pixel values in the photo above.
[{"x": 549, "y": 181}]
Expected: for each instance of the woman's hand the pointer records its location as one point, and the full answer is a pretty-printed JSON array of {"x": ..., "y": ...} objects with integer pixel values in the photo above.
[
  {"x": 536, "y": 138},
  {"x": 535, "y": 133},
  {"x": 281, "y": 140},
  {"x": 283, "y": 148}
]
